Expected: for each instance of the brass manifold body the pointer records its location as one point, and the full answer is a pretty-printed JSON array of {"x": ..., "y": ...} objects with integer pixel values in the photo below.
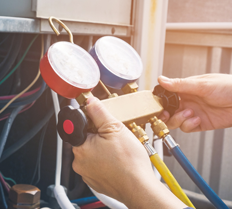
[
  {"x": 138, "y": 107},
  {"x": 132, "y": 108}
]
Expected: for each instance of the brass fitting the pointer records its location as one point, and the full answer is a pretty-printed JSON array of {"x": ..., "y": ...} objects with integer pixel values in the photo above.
[
  {"x": 130, "y": 88},
  {"x": 139, "y": 132},
  {"x": 81, "y": 99},
  {"x": 159, "y": 127},
  {"x": 113, "y": 95}
]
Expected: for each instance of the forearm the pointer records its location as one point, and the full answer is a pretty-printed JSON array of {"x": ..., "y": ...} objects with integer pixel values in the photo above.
[{"x": 150, "y": 193}]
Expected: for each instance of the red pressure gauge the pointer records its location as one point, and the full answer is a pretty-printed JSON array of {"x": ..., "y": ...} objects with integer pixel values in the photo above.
[{"x": 69, "y": 70}]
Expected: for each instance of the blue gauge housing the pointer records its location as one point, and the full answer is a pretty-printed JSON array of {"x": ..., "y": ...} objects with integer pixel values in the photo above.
[{"x": 118, "y": 62}]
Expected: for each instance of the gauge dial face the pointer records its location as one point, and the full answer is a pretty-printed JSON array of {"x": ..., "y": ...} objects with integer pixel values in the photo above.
[
  {"x": 74, "y": 65},
  {"x": 119, "y": 57}
]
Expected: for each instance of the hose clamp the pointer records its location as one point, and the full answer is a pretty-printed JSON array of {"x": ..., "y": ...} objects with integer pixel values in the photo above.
[
  {"x": 169, "y": 142},
  {"x": 150, "y": 150}
]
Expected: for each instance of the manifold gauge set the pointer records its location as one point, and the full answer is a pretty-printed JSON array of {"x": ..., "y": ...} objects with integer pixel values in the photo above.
[{"x": 72, "y": 72}]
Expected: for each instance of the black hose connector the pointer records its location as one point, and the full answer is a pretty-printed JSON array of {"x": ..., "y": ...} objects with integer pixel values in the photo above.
[
  {"x": 72, "y": 125},
  {"x": 170, "y": 99}
]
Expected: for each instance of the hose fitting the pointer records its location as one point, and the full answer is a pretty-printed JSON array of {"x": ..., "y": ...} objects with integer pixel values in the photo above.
[
  {"x": 159, "y": 127},
  {"x": 143, "y": 138},
  {"x": 130, "y": 88},
  {"x": 150, "y": 150},
  {"x": 169, "y": 142},
  {"x": 139, "y": 132}
]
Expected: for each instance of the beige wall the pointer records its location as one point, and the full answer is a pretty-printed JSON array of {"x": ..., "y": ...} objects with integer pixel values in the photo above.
[{"x": 200, "y": 11}]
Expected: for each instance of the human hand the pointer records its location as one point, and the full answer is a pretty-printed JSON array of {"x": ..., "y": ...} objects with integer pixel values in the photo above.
[
  {"x": 115, "y": 163},
  {"x": 205, "y": 102}
]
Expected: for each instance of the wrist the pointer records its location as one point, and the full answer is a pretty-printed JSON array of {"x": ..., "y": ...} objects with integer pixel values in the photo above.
[{"x": 150, "y": 193}]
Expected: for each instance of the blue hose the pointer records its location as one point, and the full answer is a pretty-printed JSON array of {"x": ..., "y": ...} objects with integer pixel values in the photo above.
[
  {"x": 85, "y": 200},
  {"x": 197, "y": 179}
]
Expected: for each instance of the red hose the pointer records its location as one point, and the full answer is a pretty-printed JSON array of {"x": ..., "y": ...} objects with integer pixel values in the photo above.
[{"x": 97, "y": 204}]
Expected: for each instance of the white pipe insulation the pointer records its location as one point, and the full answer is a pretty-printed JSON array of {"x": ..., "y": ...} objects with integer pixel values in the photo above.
[
  {"x": 59, "y": 192},
  {"x": 59, "y": 140},
  {"x": 110, "y": 202}
]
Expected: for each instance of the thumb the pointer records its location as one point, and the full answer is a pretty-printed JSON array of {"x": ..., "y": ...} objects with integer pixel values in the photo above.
[
  {"x": 98, "y": 113},
  {"x": 188, "y": 85}
]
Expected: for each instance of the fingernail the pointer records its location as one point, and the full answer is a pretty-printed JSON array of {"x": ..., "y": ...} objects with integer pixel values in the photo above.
[
  {"x": 187, "y": 113},
  {"x": 196, "y": 120},
  {"x": 90, "y": 100},
  {"x": 165, "y": 79}
]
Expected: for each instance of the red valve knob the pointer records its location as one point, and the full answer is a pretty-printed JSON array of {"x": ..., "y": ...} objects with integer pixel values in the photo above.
[
  {"x": 68, "y": 126},
  {"x": 72, "y": 125}
]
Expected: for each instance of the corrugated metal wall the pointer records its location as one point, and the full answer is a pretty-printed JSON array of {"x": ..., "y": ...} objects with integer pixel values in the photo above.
[{"x": 190, "y": 53}]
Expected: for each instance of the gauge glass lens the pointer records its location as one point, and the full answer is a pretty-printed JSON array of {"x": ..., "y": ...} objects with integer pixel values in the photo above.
[
  {"x": 74, "y": 65},
  {"x": 119, "y": 57}
]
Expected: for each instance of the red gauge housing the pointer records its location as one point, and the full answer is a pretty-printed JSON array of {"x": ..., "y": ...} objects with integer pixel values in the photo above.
[{"x": 69, "y": 70}]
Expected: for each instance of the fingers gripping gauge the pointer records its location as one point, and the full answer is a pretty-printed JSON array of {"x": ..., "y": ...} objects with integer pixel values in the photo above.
[
  {"x": 170, "y": 99},
  {"x": 72, "y": 125}
]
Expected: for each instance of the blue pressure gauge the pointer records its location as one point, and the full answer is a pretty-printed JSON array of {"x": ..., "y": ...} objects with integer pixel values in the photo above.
[{"x": 118, "y": 62}]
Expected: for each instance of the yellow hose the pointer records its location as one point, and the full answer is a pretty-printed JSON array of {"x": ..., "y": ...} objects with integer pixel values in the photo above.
[{"x": 170, "y": 180}]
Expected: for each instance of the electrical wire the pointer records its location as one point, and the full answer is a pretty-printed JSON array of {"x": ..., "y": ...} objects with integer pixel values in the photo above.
[
  {"x": 17, "y": 78},
  {"x": 23, "y": 110},
  {"x": 8, "y": 178},
  {"x": 24, "y": 97},
  {"x": 197, "y": 179},
  {"x": 7, "y": 127},
  {"x": 37, "y": 166},
  {"x": 8, "y": 97},
  {"x": 7, "y": 36},
  {"x": 97, "y": 204},
  {"x": 28, "y": 136},
  {"x": 26, "y": 100},
  {"x": 20, "y": 61},
  {"x": 4, "y": 184},
  {"x": 3, "y": 196},
  {"x": 9, "y": 51},
  {"x": 35, "y": 79},
  {"x": 85, "y": 200},
  {"x": 8, "y": 185},
  {"x": 8, "y": 63}
]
